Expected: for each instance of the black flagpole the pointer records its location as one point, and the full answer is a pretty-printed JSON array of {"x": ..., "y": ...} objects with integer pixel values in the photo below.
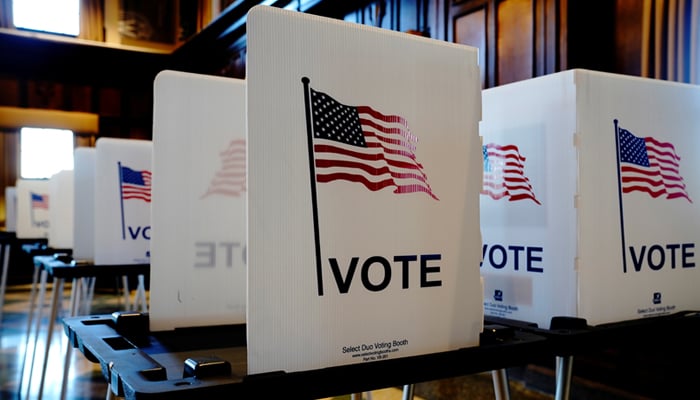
[
  {"x": 312, "y": 171},
  {"x": 619, "y": 194}
]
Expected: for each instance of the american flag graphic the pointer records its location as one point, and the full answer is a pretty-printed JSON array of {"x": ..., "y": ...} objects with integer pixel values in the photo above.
[
  {"x": 40, "y": 201},
  {"x": 135, "y": 184},
  {"x": 650, "y": 166},
  {"x": 362, "y": 145},
  {"x": 229, "y": 180},
  {"x": 504, "y": 174}
]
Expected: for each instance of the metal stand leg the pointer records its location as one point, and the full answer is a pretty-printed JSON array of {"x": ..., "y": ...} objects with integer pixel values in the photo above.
[
  {"x": 141, "y": 295},
  {"x": 3, "y": 283},
  {"x": 500, "y": 384},
  {"x": 37, "y": 329},
  {"x": 407, "y": 392},
  {"x": 110, "y": 394},
  {"x": 127, "y": 293},
  {"x": 30, "y": 319},
  {"x": 57, "y": 290},
  {"x": 89, "y": 294},
  {"x": 564, "y": 367},
  {"x": 75, "y": 295},
  {"x": 32, "y": 302}
]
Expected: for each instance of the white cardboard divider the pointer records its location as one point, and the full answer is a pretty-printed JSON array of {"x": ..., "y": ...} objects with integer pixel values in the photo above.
[
  {"x": 574, "y": 227},
  {"x": 122, "y": 201},
  {"x": 84, "y": 200},
  {"x": 10, "y": 209},
  {"x": 198, "y": 262},
  {"x": 61, "y": 210},
  {"x": 32, "y": 208},
  {"x": 382, "y": 262}
]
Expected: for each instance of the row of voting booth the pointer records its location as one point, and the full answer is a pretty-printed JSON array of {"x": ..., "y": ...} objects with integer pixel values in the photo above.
[
  {"x": 358, "y": 198},
  {"x": 96, "y": 215},
  {"x": 389, "y": 196},
  {"x": 92, "y": 217}
]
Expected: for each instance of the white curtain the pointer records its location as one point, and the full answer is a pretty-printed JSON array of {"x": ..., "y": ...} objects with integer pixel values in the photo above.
[{"x": 671, "y": 40}]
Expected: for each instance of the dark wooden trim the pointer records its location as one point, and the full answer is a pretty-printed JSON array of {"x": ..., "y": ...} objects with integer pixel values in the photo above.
[{"x": 491, "y": 44}]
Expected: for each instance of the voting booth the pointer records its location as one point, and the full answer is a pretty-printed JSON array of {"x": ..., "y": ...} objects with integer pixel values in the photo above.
[
  {"x": 10, "y": 209},
  {"x": 589, "y": 206},
  {"x": 122, "y": 201},
  {"x": 61, "y": 210},
  {"x": 363, "y": 193},
  {"x": 198, "y": 263},
  {"x": 32, "y": 208},
  {"x": 84, "y": 201}
]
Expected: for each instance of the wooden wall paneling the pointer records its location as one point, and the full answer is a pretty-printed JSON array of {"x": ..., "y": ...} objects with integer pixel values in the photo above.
[
  {"x": 491, "y": 41},
  {"x": 470, "y": 29},
  {"x": 139, "y": 113},
  {"x": 515, "y": 43},
  {"x": 138, "y": 131},
  {"x": 528, "y": 38},
  {"x": 659, "y": 39},
  {"x": 407, "y": 15},
  {"x": 423, "y": 20},
  {"x": 629, "y": 21},
  {"x": 546, "y": 43},
  {"x": 109, "y": 102},
  {"x": 439, "y": 17},
  {"x": 395, "y": 17},
  {"x": 45, "y": 94},
  {"x": 9, "y": 165},
  {"x": 591, "y": 35},
  {"x": 84, "y": 140},
  {"x": 473, "y": 23},
  {"x": 125, "y": 124},
  {"x": 552, "y": 23},
  {"x": 398, "y": 15},
  {"x": 110, "y": 127},
  {"x": 562, "y": 34},
  {"x": 455, "y": 9},
  {"x": 9, "y": 92},
  {"x": 139, "y": 103},
  {"x": 79, "y": 98},
  {"x": 353, "y": 16},
  {"x": 380, "y": 13},
  {"x": 415, "y": 17},
  {"x": 539, "y": 37}
]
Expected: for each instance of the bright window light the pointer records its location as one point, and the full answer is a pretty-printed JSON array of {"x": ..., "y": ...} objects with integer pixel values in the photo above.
[
  {"x": 55, "y": 16},
  {"x": 43, "y": 152}
]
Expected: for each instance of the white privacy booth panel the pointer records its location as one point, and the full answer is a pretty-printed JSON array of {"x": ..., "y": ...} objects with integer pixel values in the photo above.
[
  {"x": 122, "y": 201},
  {"x": 198, "y": 250},
  {"x": 32, "y": 208},
  {"x": 364, "y": 171},
  {"x": 590, "y": 199}
]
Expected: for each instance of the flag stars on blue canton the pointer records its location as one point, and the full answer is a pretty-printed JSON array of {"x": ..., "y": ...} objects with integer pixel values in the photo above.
[
  {"x": 335, "y": 121},
  {"x": 487, "y": 161},
  {"x": 633, "y": 149}
]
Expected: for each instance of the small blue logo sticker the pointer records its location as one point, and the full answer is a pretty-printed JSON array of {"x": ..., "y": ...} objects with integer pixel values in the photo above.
[{"x": 498, "y": 295}]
